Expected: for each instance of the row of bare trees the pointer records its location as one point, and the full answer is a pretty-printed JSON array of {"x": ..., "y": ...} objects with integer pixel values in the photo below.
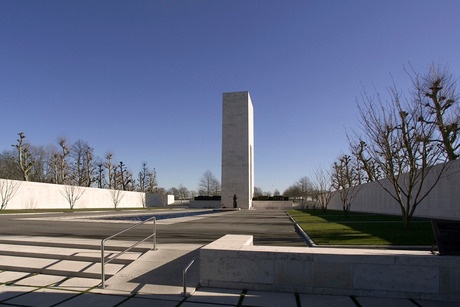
[
  {"x": 399, "y": 140},
  {"x": 72, "y": 164}
]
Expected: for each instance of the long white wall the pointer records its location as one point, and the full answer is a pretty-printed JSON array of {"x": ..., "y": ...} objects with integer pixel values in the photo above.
[
  {"x": 443, "y": 202},
  {"x": 35, "y": 195}
]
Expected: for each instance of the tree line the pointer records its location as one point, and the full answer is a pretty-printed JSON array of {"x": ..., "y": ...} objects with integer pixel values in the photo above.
[
  {"x": 72, "y": 164},
  {"x": 400, "y": 139}
]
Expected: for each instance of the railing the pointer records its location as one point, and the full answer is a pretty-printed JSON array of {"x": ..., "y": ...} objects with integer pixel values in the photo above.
[
  {"x": 184, "y": 276},
  {"x": 103, "y": 262}
]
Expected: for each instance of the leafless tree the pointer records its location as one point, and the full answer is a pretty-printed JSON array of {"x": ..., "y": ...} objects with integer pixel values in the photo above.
[
  {"x": 117, "y": 196},
  {"x": 8, "y": 189},
  {"x": 109, "y": 165},
  {"x": 24, "y": 160},
  {"x": 438, "y": 98},
  {"x": 346, "y": 180},
  {"x": 183, "y": 192},
  {"x": 8, "y": 166},
  {"x": 62, "y": 166},
  {"x": 100, "y": 174},
  {"x": 402, "y": 147},
  {"x": 72, "y": 194},
  {"x": 208, "y": 185},
  {"x": 323, "y": 186}
]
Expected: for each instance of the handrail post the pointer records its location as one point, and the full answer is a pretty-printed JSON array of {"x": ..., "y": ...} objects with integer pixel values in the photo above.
[
  {"x": 154, "y": 234},
  {"x": 184, "y": 275},
  {"x": 102, "y": 264}
]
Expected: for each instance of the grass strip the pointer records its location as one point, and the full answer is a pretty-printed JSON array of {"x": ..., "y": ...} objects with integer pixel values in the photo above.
[{"x": 362, "y": 229}]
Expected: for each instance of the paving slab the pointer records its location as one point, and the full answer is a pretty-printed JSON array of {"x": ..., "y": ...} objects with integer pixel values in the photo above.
[
  {"x": 263, "y": 298},
  {"x": 9, "y": 276},
  {"x": 159, "y": 271},
  {"x": 384, "y": 302},
  {"x": 428, "y": 303},
  {"x": 41, "y": 297},
  {"x": 77, "y": 284},
  {"x": 216, "y": 296},
  {"x": 195, "y": 304},
  {"x": 139, "y": 302},
  {"x": 316, "y": 300},
  {"x": 8, "y": 292},
  {"x": 40, "y": 280},
  {"x": 93, "y": 299}
]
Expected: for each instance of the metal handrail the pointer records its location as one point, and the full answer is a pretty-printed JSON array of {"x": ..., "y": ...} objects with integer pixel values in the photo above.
[
  {"x": 184, "y": 275},
  {"x": 103, "y": 262}
]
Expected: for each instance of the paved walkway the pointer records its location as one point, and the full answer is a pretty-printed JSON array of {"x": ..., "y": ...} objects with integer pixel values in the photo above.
[{"x": 25, "y": 289}]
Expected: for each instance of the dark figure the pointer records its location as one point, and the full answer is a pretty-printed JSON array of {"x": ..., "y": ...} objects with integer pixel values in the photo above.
[{"x": 234, "y": 200}]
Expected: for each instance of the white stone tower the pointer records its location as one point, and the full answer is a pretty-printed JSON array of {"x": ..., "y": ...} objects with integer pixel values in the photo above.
[{"x": 237, "y": 149}]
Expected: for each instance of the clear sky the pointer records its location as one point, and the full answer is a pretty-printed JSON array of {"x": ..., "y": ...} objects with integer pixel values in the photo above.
[{"x": 145, "y": 79}]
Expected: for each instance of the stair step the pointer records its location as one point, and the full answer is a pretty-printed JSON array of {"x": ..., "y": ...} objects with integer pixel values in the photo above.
[
  {"x": 59, "y": 267},
  {"x": 91, "y": 244},
  {"x": 65, "y": 253}
]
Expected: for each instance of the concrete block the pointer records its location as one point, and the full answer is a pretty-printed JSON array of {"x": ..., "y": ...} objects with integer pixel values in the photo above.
[
  {"x": 396, "y": 278},
  {"x": 332, "y": 275},
  {"x": 291, "y": 272},
  {"x": 449, "y": 280},
  {"x": 257, "y": 298}
]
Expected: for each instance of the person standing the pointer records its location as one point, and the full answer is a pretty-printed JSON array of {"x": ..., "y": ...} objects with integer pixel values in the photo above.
[{"x": 234, "y": 200}]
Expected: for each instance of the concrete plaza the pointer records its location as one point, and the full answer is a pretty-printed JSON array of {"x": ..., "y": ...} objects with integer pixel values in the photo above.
[{"x": 180, "y": 239}]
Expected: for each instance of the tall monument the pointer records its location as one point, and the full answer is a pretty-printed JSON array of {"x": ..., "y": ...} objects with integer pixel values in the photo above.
[{"x": 237, "y": 150}]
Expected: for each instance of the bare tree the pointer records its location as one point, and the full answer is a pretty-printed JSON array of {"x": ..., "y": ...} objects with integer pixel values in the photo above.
[
  {"x": 109, "y": 165},
  {"x": 437, "y": 96},
  {"x": 153, "y": 184},
  {"x": 117, "y": 196},
  {"x": 24, "y": 161},
  {"x": 63, "y": 167},
  {"x": 72, "y": 194},
  {"x": 100, "y": 174},
  {"x": 208, "y": 185},
  {"x": 183, "y": 192},
  {"x": 402, "y": 147},
  {"x": 8, "y": 189},
  {"x": 345, "y": 179},
  {"x": 323, "y": 186},
  {"x": 8, "y": 166}
]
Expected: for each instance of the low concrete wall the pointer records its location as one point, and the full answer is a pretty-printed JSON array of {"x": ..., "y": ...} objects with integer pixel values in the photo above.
[
  {"x": 205, "y": 204},
  {"x": 234, "y": 262},
  {"x": 441, "y": 203},
  {"x": 272, "y": 204},
  {"x": 36, "y": 195}
]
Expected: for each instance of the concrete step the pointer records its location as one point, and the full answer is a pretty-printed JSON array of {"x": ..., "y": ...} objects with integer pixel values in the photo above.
[
  {"x": 85, "y": 269},
  {"x": 64, "y": 256},
  {"x": 64, "y": 253},
  {"x": 94, "y": 244}
]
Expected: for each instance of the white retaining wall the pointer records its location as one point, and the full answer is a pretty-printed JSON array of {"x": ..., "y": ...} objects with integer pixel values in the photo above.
[
  {"x": 234, "y": 262},
  {"x": 36, "y": 195},
  {"x": 443, "y": 202}
]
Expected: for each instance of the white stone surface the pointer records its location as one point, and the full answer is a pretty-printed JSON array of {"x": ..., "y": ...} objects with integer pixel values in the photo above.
[
  {"x": 441, "y": 202},
  {"x": 37, "y": 195},
  {"x": 237, "y": 149},
  {"x": 233, "y": 262}
]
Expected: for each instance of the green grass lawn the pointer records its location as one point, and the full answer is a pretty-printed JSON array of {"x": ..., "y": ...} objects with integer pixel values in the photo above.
[{"x": 332, "y": 228}]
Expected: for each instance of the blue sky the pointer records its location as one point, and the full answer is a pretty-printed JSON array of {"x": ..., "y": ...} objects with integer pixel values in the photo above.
[{"x": 145, "y": 79}]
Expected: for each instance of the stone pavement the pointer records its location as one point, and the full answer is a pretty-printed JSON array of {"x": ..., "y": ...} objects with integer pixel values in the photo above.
[
  {"x": 25, "y": 289},
  {"x": 130, "y": 288}
]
